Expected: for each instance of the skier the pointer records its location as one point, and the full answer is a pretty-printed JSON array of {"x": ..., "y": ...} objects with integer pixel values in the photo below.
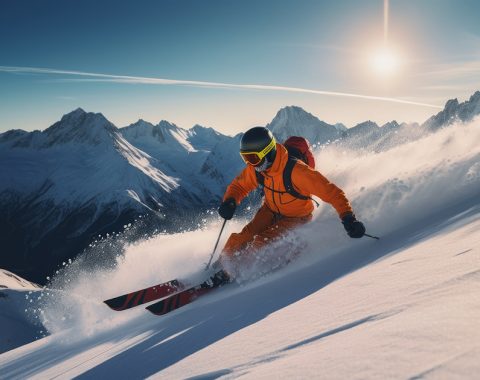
[
  {"x": 288, "y": 185},
  {"x": 281, "y": 211}
]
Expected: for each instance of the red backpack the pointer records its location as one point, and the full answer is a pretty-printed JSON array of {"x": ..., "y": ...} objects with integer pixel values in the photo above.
[{"x": 300, "y": 148}]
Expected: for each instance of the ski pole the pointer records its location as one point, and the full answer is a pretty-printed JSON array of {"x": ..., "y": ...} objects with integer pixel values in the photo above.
[
  {"x": 373, "y": 237},
  {"x": 216, "y": 244}
]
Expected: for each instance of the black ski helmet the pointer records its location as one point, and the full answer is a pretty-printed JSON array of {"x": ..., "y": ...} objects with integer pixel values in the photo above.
[{"x": 256, "y": 140}]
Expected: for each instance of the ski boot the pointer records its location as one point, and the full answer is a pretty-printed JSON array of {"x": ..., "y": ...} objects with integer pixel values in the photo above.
[{"x": 220, "y": 278}]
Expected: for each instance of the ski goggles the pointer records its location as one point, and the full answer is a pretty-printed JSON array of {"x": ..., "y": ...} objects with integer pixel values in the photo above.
[{"x": 254, "y": 158}]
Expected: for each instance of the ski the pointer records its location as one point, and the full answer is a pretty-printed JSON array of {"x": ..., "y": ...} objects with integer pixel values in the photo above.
[
  {"x": 189, "y": 295},
  {"x": 139, "y": 297},
  {"x": 177, "y": 300}
]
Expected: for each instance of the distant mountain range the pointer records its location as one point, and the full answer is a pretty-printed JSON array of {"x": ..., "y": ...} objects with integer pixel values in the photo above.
[{"x": 83, "y": 177}]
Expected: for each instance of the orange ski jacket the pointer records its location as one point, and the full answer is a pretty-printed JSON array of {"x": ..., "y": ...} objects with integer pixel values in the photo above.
[{"x": 305, "y": 180}]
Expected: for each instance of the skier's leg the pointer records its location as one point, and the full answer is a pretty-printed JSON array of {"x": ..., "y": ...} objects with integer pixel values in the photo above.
[
  {"x": 235, "y": 265},
  {"x": 263, "y": 219},
  {"x": 276, "y": 231}
]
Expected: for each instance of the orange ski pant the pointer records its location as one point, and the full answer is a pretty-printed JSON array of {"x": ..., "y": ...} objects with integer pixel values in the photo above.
[{"x": 262, "y": 229}]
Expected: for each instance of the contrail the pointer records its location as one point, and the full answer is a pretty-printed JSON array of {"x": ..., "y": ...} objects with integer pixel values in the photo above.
[
  {"x": 385, "y": 22},
  {"x": 97, "y": 77}
]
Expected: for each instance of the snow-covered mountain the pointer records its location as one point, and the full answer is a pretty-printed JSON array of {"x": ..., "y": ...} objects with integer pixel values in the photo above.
[
  {"x": 70, "y": 159},
  {"x": 180, "y": 153},
  {"x": 455, "y": 111},
  {"x": 406, "y": 306},
  {"x": 223, "y": 163},
  {"x": 295, "y": 121},
  {"x": 370, "y": 137},
  {"x": 204, "y": 138},
  {"x": 76, "y": 179}
]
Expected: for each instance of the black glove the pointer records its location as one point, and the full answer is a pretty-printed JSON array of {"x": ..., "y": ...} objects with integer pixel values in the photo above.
[
  {"x": 354, "y": 228},
  {"x": 227, "y": 208}
]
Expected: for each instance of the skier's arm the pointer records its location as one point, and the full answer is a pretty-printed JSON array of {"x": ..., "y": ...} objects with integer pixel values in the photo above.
[
  {"x": 311, "y": 182},
  {"x": 243, "y": 184}
]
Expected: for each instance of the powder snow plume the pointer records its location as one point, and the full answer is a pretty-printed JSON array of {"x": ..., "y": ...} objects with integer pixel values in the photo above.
[{"x": 414, "y": 182}]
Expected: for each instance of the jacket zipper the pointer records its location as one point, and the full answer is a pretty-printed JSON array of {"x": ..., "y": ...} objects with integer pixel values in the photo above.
[{"x": 273, "y": 193}]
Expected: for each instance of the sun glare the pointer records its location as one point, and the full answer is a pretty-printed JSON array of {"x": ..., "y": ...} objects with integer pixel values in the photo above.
[{"x": 385, "y": 62}]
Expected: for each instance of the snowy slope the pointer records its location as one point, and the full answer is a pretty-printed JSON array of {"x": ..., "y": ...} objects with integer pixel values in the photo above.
[
  {"x": 393, "y": 318},
  {"x": 406, "y": 306},
  {"x": 9, "y": 280},
  {"x": 17, "y": 325},
  {"x": 180, "y": 153},
  {"x": 414, "y": 313}
]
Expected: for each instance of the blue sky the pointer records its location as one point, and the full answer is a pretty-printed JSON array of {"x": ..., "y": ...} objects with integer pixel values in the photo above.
[{"x": 326, "y": 46}]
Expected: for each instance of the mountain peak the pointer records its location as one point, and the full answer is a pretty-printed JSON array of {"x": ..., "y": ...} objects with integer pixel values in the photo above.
[
  {"x": 167, "y": 125},
  {"x": 75, "y": 114},
  {"x": 147, "y": 136},
  {"x": 292, "y": 108},
  {"x": 198, "y": 127},
  {"x": 292, "y": 112},
  {"x": 391, "y": 124},
  {"x": 455, "y": 111},
  {"x": 295, "y": 121},
  {"x": 142, "y": 122},
  {"x": 80, "y": 126},
  {"x": 203, "y": 138},
  {"x": 475, "y": 98},
  {"x": 140, "y": 127},
  {"x": 79, "y": 110},
  {"x": 451, "y": 104},
  {"x": 366, "y": 125}
]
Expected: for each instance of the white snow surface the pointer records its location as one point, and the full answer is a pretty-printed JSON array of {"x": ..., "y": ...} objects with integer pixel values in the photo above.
[
  {"x": 17, "y": 327},
  {"x": 9, "y": 280},
  {"x": 406, "y": 306}
]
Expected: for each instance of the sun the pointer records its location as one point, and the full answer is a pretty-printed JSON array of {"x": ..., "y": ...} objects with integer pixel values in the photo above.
[{"x": 385, "y": 62}]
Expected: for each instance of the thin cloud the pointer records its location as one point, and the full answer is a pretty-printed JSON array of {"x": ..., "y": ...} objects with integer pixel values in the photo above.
[
  {"x": 64, "y": 97},
  {"x": 453, "y": 70},
  {"x": 97, "y": 77},
  {"x": 335, "y": 48}
]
